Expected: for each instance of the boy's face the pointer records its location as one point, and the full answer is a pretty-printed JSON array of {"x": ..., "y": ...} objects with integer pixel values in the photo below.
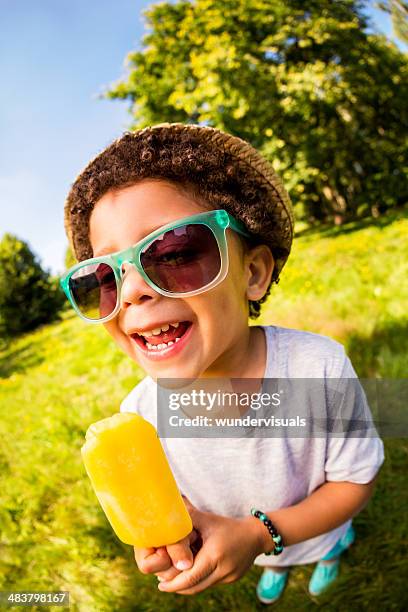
[{"x": 212, "y": 325}]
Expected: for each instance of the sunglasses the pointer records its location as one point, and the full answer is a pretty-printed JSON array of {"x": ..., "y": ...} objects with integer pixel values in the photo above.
[{"x": 180, "y": 259}]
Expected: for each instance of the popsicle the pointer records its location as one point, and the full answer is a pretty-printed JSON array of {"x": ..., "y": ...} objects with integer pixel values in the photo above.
[{"x": 133, "y": 482}]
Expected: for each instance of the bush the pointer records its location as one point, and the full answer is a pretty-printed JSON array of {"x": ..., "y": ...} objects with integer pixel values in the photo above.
[{"x": 29, "y": 296}]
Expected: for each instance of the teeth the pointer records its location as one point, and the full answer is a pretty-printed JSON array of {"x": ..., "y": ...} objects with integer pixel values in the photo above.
[
  {"x": 159, "y": 347},
  {"x": 158, "y": 330}
]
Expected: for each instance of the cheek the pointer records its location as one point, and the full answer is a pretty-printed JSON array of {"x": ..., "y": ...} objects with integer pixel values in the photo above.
[
  {"x": 227, "y": 303},
  {"x": 234, "y": 294},
  {"x": 111, "y": 328},
  {"x": 114, "y": 331},
  {"x": 238, "y": 274}
]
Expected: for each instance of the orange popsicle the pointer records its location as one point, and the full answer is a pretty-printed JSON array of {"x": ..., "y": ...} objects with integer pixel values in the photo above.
[{"x": 133, "y": 482}]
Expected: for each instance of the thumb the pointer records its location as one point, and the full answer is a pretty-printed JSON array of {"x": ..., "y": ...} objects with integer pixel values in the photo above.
[
  {"x": 181, "y": 554},
  {"x": 195, "y": 514}
]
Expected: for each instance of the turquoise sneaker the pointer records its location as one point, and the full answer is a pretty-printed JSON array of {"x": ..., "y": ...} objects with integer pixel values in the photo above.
[
  {"x": 323, "y": 576},
  {"x": 270, "y": 586}
]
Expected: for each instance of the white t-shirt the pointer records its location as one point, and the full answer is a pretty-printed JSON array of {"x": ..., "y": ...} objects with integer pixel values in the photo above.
[{"x": 228, "y": 476}]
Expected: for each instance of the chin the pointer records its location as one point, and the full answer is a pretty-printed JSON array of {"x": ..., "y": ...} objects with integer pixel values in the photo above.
[{"x": 172, "y": 378}]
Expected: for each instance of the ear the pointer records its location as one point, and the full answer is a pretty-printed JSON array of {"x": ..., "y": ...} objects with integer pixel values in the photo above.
[{"x": 259, "y": 266}]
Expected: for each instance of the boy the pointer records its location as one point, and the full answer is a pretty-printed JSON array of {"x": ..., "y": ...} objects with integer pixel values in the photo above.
[{"x": 177, "y": 301}]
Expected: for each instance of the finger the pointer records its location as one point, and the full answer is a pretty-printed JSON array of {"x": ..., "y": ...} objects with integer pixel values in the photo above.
[
  {"x": 151, "y": 560},
  {"x": 168, "y": 574},
  {"x": 142, "y": 553},
  {"x": 190, "y": 507},
  {"x": 193, "y": 537},
  {"x": 180, "y": 553},
  {"x": 211, "y": 580},
  {"x": 201, "y": 572},
  {"x": 196, "y": 542},
  {"x": 201, "y": 586},
  {"x": 196, "y": 515}
]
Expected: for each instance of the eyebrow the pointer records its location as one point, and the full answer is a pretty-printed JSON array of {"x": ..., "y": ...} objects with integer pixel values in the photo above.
[
  {"x": 105, "y": 251},
  {"x": 108, "y": 249}
]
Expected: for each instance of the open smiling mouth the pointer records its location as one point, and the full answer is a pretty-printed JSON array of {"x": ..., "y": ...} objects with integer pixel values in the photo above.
[{"x": 164, "y": 338}]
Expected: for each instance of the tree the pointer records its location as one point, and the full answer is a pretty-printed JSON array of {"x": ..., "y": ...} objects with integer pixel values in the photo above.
[
  {"x": 305, "y": 83},
  {"x": 29, "y": 296},
  {"x": 398, "y": 9}
]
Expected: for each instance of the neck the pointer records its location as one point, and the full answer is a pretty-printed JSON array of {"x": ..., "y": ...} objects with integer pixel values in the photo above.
[{"x": 246, "y": 358}]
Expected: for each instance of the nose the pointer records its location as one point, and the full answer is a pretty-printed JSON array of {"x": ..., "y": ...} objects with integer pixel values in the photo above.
[{"x": 134, "y": 289}]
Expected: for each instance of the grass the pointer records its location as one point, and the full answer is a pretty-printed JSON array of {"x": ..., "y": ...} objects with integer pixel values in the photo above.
[{"x": 348, "y": 283}]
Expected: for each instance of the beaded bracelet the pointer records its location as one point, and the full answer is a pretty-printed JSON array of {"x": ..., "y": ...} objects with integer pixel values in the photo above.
[{"x": 277, "y": 539}]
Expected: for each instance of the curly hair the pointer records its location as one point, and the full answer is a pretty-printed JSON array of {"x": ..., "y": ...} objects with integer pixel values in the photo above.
[{"x": 211, "y": 175}]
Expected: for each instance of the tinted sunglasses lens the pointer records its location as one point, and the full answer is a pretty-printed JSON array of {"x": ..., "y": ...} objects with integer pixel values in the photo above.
[
  {"x": 94, "y": 290},
  {"x": 184, "y": 259}
]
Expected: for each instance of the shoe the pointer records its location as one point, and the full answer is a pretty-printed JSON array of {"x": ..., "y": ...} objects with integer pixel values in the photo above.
[
  {"x": 348, "y": 539},
  {"x": 270, "y": 586},
  {"x": 324, "y": 574},
  {"x": 341, "y": 545}
]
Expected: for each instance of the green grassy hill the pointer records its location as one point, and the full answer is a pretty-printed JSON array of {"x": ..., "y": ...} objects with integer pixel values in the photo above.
[{"x": 348, "y": 283}]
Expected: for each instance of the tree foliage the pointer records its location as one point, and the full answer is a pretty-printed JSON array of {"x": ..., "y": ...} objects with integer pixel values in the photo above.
[
  {"x": 398, "y": 9},
  {"x": 29, "y": 296},
  {"x": 304, "y": 82},
  {"x": 69, "y": 259}
]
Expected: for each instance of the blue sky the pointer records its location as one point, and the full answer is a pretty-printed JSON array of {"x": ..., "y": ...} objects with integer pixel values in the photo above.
[{"x": 56, "y": 56}]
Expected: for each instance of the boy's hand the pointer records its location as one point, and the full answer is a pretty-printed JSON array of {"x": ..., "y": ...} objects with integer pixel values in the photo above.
[
  {"x": 163, "y": 561},
  {"x": 229, "y": 548}
]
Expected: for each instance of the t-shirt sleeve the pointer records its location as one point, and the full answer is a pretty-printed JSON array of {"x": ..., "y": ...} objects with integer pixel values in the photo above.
[
  {"x": 134, "y": 400},
  {"x": 354, "y": 452},
  {"x": 129, "y": 404},
  {"x": 142, "y": 400}
]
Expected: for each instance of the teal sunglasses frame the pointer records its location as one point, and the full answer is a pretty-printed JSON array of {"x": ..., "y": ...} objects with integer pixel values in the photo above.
[{"x": 216, "y": 220}]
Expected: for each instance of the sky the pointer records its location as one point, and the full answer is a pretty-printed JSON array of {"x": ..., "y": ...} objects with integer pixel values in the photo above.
[{"x": 56, "y": 57}]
